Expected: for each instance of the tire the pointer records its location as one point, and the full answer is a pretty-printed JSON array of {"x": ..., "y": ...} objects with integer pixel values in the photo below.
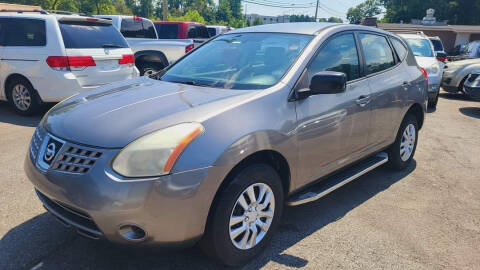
[
  {"x": 432, "y": 103},
  {"x": 149, "y": 68},
  {"x": 22, "y": 97},
  {"x": 217, "y": 241},
  {"x": 395, "y": 159}
]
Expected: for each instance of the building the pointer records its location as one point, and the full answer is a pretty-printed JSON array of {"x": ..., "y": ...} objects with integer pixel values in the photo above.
[
  {"x": 451, "y": 35},
  {"x": 268, "y": 19},
  {"x": 17, "y": 7}
]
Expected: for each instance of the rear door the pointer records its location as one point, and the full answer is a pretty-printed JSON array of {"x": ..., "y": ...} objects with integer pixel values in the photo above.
[
  {"x": 388, "y": 81},
  {"x": 98, "y": 54}
]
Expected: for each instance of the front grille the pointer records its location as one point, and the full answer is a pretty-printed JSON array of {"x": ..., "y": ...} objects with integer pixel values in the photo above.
[
  {"x": 37, "y": 139},
  {"x": 76, "y": 159},
  {"x": 70, "y": 215}
]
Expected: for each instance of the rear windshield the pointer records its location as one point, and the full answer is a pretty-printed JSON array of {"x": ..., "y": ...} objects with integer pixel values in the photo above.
[
  {"x": 197, "y": 31},
  {"x": 137, "y": 28},
  {"x": 85, "y": 35},
  {"x": 437, "y": 45},
  {"x": 167, "y": 31},
  {"x": 420, "y": 47}
]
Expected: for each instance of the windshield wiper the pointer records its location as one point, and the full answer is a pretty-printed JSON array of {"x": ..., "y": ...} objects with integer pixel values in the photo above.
[
  {"x": 192, "y": 82},
  {"x": 111, "y": 46}
]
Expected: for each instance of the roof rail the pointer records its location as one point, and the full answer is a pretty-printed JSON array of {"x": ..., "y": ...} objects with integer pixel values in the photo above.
[
  {"x": 41, "y": 11},
  {"x": 408, "y": 32},
  {"x": 63, "y": 12}
]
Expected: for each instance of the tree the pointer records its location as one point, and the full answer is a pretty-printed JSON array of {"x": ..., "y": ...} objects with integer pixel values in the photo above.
[
  {"x": 369, "y": 8},
  {"x": 334, "y": 20},
  {"x": 257, "y": 21},
  {"x": 191, "y": 16}
]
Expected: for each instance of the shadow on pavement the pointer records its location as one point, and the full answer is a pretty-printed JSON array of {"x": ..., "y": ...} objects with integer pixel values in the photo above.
[
  {"x": 44, "y": 241},
  {"x": 453, "y": 96},
  {"x": 8, "y": 115},
  {"x": 471, "y": 111}
]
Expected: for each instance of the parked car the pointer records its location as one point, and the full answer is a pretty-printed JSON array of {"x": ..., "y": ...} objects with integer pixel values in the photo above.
[
  {"x": 438, "y": 48},
  {"x": 182, "y": 30},
  {"x": 47, "y": 58},
  {"x": 471, "y": 87},
  {"x": 457, "y": 72},
  {"x": 422, "y": 48},
  {"x": 151, "y": 54},
  {"x": 215, "y": 30},
  {"x": 211, "y": 148},
  {"x": 470, "y": 50}
]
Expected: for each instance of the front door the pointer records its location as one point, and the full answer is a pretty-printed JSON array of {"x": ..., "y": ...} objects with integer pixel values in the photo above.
[{"x": 332, "y": 128}]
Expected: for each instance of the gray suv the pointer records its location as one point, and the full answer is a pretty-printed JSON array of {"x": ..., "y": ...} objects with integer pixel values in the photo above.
[{"x": 211, "y": 149}]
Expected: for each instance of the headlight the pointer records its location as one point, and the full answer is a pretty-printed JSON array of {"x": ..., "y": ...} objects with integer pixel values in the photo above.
[
  {"x": 433, "y": 69},
  {"x": 155, "y": 154}
]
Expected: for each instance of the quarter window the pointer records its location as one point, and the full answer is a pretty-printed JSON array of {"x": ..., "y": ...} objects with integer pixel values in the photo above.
[
  {"x": 399, "y": 48},
  {"x": 24, "y": 32},
  {"x": 131, "y": 28},
  {"x": 378, "y": 54},
  {"x": 339, "y": 54}
]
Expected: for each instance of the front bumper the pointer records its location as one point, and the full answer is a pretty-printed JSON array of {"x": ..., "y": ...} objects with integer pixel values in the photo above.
[{"x": 172, "y": 209}]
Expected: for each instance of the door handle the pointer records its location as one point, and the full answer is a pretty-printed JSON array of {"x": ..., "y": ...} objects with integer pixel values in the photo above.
[{"x": 362, "y": 101}]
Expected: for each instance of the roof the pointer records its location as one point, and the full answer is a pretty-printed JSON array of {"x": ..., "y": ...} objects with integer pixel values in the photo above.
[
  {"x": 418, "y": 27},
  {"x": 306, "y": 28}
]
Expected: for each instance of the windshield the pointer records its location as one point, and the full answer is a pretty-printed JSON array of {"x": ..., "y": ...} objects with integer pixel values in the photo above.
[
  {"x": 420, "y": 47},
  {"x": 239, "y": 61}
]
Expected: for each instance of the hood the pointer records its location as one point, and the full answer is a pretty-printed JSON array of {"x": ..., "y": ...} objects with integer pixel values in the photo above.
[
  {"x": 462, "y": 63},
  {"x": 426, "y": 62},
  {"x": 115, "y": 115}
]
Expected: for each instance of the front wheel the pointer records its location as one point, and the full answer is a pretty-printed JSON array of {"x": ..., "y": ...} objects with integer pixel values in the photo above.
[
  {"x": 245, "y": 216},
  {"x": 401, "y": 153}
]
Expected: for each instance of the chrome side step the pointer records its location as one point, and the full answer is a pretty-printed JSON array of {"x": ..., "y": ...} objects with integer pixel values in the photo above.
[{"x": 335, "y": 181}]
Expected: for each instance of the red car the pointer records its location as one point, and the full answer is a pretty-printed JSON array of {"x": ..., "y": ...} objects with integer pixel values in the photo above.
[{"x": 182, "y": 30}]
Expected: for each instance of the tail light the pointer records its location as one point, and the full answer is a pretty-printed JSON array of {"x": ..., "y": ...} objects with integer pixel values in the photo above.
[
  {"x": 424, "y": 73},
  {"x": 64, "y": 63},
  {"x": 189, "y": 48},
  {"x": 127, "y": 59},
  {"x": 442, "y": 59}
]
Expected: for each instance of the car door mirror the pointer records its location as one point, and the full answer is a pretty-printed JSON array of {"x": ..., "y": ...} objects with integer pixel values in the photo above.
[{"x": 328, "y": 82}]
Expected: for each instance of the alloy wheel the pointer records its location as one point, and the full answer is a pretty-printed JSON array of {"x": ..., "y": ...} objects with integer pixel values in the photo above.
[
  {"x": 408, "y": 142},
  {"x": 21, "y": 97},
  {"x": 252, "y": 216}
]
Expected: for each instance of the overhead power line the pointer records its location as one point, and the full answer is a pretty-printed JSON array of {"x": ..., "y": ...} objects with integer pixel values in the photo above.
[{"x": 277, "y": 5}]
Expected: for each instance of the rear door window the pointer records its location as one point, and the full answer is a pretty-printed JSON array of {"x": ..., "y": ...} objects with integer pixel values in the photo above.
[
  {"x": 137, "y": 28},
  {"x": 24, "y": 32},
  {"x": 399, "y": 48},
  {"x": 167, "y": 31},
  {"x": 338, "y": 54},
  {"x": 378, "y": 54},
  {"x": 197, "y": 31},
  {"x": 83, "y": 35}
]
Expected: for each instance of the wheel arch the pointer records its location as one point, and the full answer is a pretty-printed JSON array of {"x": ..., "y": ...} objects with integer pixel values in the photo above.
[
  {"x": 11, "y": 78},
  {"x": 151, "y": 56},
  {"x": 417, "y": 110}
]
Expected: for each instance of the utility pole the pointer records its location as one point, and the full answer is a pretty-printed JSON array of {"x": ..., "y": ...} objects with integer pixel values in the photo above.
[
  {"x": 165, "y": 10},
  {"x": 245, "y": 21},
  {"x": 316, "y": 11}
]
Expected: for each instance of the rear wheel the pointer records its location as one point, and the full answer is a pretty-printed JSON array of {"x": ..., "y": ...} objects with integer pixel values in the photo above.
[
  {"x": 22, "y": 96},
  {"x": 401, "y": 153},
  {"x": 245, "y": 216}
]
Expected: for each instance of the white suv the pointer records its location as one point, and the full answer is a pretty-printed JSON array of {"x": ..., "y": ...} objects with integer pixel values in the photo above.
[
  {"x": 47, "y": 58},
  {"x": 424, "y": 52}
]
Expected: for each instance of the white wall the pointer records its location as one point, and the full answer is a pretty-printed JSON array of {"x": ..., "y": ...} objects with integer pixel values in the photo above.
[{"x": 462, "y": 38}]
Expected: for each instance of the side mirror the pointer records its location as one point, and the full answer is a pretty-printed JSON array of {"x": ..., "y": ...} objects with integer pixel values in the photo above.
[{"x": 328, "y": 82}]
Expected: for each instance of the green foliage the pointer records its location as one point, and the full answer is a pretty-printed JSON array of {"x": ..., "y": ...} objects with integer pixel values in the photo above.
[
  {"x": 257, "y": 21},
  {"x": 369, "y": 8},
  {"x": 334, "y": 20},
  {"x": 190, "y": 16},
  {"x": 301, "y": 18},
  {"x": 456, "y": 12}
]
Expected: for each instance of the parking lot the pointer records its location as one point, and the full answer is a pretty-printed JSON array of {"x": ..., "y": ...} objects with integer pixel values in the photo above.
[{"x": 426, "y": 217}]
